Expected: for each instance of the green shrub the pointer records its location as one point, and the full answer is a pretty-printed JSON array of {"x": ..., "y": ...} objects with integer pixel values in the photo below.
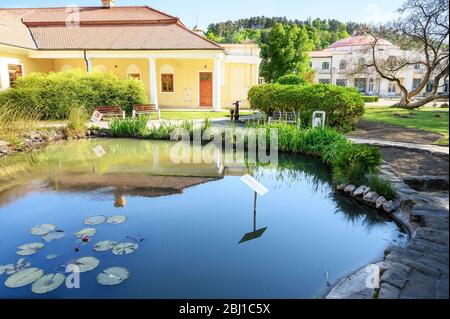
[
  {"x": 53, "y": 94},
  {"x": 349, "y": 162},
  {"x": 381, "y": 186},
  {"x": 370, "y": 98},
  {"x": 129, "y": 127},
  {"x": 343, "y": 105},
  {"x": 292, "y": 79}
]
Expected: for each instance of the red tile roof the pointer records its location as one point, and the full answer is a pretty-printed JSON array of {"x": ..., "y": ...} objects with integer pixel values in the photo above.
[
  {"x": 361, "y": 40},
  {"x": 139, "y": 28}
]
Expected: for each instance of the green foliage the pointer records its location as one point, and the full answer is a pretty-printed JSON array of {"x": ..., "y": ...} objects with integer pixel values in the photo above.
[
  {"x": 129, "y": 127},
  {"x": 381, "y": 186},
  {"x": 349, "y": 162},
  {"x": 322, "y": 33},
  {"x": 292, "y": 79},
  {"x": 54, "y": 94},
  {"x": 343, "y": 105},
  {"x": 76, "y": 121},
  {"x": 285, "y": 52},
  {"x": 370, "y": 98}
]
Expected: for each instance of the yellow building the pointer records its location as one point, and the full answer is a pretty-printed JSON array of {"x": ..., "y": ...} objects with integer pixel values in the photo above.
[{"x": 178, "y": 67}]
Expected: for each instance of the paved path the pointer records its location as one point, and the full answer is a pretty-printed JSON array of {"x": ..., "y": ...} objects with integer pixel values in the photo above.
[{"x": 435, "y": 149}]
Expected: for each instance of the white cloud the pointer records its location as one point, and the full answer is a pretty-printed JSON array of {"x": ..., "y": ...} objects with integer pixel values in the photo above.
[{"x": 375, "y": 15}]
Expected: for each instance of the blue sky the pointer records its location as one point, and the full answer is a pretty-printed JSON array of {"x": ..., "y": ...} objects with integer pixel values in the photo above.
[{"x": 209, "y": 11}]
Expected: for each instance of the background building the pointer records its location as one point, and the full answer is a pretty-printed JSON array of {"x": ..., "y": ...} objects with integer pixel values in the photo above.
[{"x": 337, "y": 63}]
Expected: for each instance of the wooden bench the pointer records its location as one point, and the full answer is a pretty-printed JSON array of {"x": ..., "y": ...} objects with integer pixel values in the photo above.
[
  {"x": 285, "y": 117},
  {"x": 110, "y": 111},
  {"x": 146, "y": 109}
]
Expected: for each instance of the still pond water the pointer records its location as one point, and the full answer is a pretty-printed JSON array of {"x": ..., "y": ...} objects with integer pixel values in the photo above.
[{"x": 194, "y": 223}]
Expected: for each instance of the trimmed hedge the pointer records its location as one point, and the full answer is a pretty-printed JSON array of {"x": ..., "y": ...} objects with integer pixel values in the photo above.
[
  {"x": 370, "y": 98},
  {"x": 343, "y": 105},
  {"x": 292, "y": 79},
  {"x": 54, "y": 94}
]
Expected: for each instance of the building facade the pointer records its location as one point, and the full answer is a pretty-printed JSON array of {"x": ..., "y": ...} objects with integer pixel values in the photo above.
[
  {"x": 178, "y": 67},
  {"x": 337, "y": 63}
]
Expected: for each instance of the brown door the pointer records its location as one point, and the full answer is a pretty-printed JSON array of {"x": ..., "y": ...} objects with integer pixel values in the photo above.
[{"x": 206, "y": 91}]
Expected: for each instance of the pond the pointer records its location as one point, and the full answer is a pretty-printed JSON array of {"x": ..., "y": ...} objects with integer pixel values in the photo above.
[{"x": 193, "y": 225}]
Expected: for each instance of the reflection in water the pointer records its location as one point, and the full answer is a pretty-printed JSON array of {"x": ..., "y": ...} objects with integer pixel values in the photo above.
[{"x": 191, "y": 216}]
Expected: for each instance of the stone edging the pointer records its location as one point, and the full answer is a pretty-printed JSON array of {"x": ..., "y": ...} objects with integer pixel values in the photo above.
[{"x": 420, "y": 268}]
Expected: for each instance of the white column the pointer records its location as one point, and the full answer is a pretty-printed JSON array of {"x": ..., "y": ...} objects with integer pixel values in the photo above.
[
  {"x": 90, "y": 65},
  {"x": 216, "y": 84},
  {"x": 4, "y": 76},
  {"x": 153, "y": 83}
]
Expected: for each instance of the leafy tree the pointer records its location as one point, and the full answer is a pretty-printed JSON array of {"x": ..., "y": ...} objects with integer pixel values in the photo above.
[{"x": 285, "y": 52}]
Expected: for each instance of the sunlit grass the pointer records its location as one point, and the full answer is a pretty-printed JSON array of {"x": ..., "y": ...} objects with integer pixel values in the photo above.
[{"x": 425, "y": 118}]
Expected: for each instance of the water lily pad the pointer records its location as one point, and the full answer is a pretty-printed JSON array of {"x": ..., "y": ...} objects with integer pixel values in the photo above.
[
  {"x": 86, "y": 264},
  {"x": 29, "y": 249},
  {"x": 24, "y": 277},
  {"x": 116, "y": 219},
  {"x": 105, "y": 245},
  {"x": 125, "y": 248},
  {"x": 85, "y": 232},
  {"x": 113, "y": 276},
  {"x": 6, "y": 268},
  {"x": 52, "y": 256},
  {"x": 48, "y": 283},
  {"x": 42, "y": 229},
  {"x": 95, "y": 220},
  {"x": 53, "y": 235}
]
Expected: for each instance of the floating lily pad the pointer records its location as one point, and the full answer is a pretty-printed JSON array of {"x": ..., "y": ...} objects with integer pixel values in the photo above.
[
  {"x": 42, "y": 229},
  {"x": 125, "y": 248},
  {"x": 113, "y": 276},
  {"x": 24, "y": 277},
  {"x": 85, "y": 232},
  {"x": 29, "y": 249},
  {"x": 105, "y": 245},
  {"x": 52, "y": 256},
  {"x": 95, "y": 220},
  {"x": 48, "y": 283},
  {"x": 116, "y": 219},
  {"x": 6, "y": 268},
  {"x": 53, "y": 235},
  {"x": 86, "y": 264}
]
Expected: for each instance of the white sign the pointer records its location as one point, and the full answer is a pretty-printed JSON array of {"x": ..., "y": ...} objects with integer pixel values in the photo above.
[
  {"x": 254, "y": 184},
  {"x": 96, "y": 117},
  {"x": 99, "y": 151}
]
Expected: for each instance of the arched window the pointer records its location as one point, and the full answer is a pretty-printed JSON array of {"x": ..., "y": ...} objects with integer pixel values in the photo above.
[
  {"x": 100, "y": 68},
  {"x": 133, "y": 72},
  {"x": 361, "y": 62},
  {"x": 342, "y": 65}
]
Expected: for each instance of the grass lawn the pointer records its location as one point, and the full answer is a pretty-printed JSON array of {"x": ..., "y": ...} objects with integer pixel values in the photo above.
[
  {"x": 195, "y": 115},
  {"x": 425, "y": 118}
]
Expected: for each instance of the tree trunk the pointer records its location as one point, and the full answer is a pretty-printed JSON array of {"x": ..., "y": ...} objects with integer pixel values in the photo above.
[{"x": 425, "y": 100}]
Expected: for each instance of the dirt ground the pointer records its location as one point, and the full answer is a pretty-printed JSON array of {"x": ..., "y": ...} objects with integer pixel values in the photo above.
[
  {"x": 415, "y": 163},
  {"x": 381, "y": 131}
]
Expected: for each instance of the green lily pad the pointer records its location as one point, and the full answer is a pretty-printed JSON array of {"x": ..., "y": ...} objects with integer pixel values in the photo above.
[
  {"x": 113, "y": 276},
  {"x": 52, "y": 256},
  {"x": 116, "y": 219},
  {"x": 24, "y": 277},
  {"x": 53, "y": 235},
  {"x": 85, "y": 232},
  {"x": 29, "y": 249},
  {"x": 42, "y": 229},
  {"x": 105, "y": 245},
  {"x": 95, "y": 220},
  {"x": 48, "y": 283},
  {"x": 86, "y": 264},
  {"x": 125, "y": 248},
  {"x": 6, "y": 268}
]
